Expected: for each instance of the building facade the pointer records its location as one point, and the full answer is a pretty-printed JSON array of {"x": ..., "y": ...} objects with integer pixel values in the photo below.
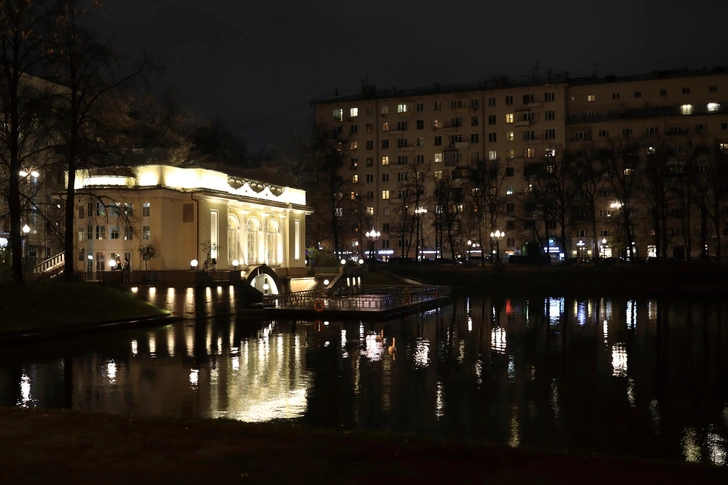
[
  {"x": 189, "y": 217},
  {"x": 520, "y": 131}
]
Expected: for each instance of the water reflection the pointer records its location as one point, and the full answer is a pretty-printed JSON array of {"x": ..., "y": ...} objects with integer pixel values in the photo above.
[{"x": 629, "y": 377}]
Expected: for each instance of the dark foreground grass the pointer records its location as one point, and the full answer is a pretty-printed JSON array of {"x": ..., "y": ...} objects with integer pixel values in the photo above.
[
  {"x": 35, "y": 306},
  {"x": 79, "y": 448}
]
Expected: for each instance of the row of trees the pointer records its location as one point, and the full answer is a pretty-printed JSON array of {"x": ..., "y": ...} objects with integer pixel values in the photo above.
[
  {"x": 662, "y": 191},
  {"x": 70, "y": 102}
]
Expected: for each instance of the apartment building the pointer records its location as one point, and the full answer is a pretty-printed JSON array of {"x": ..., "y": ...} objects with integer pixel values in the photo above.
[
  {"x": 441, "y": 131},
  {"x": 448, "y": 130}
]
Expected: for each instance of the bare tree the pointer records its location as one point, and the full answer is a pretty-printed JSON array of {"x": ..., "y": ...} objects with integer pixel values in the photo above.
[
  {"x": 484, "y": 187},
  {"x": 24, "y": 27},
  {"x": 590, "y": 181}
]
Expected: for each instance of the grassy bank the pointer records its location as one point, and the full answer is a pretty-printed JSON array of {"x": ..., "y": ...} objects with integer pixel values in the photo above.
[
  {"x": 35, "y": 306},
  {"x": 84, "y": 448}
]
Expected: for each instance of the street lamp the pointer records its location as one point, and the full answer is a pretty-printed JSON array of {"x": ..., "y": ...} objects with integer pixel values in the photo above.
[
  {"x": 470, "y": 245},
  {"x": 90, "y": 264},
  {"x": 193, "y": 264},
  {"x": 497, "y": 235},
  {"x": 26, "y": 230},
  {"x": 418, "y": 214},
  {"x": 604, "y": 243},
  {"x": 235, "y": 264},
  {"x": 372, "y": 236}
]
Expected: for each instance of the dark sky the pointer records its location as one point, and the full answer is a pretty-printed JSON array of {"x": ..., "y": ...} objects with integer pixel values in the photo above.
[{"x": 260, "y": 63}]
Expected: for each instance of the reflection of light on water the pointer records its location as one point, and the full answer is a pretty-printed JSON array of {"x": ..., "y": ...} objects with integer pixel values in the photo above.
[
  {"x": 630, "y": 391},
  {"x": 580, "y": 310},
  {"x": 655, "y": 415},
  {"x": 214, "y": 374},
  {"x": 344, "y": 353},
  {"x": 470, "y": 324},
  {"x": 361, "y": 331},
  {"x": 511, "y": 368},
  {"x": 631, "y": 314},
  {"x": 290, "y": 406},
  {"x": 219, "y": 346},
  {"x": 652, "y": 310},
  {"x": 440, "y": 401},
  {"x": 498, "y": 340},
  {"x": 422, "y": 353},
  {"x": 189, "y": 331},
  {"x": 555, "y": 398},
  {"x": 555, "y": 309},
  {"x": 605, "y": 330},
  {"x": 716, "y": 450},
  {"x": 690, "y": 447},
  {"x": 479, "y": 372},
  {"x": 111, "y": 371},
  {"x": 373, "y": 349},
  {"x": 152, "y": 346},
  {"x": 236, "y": 362},
  {"x": 619, "y": 360},
  {"x": 25, "y": 396},
  {"x": 461, "y": 351},
  {"x": 134, "y": 347},
  {"x": 170, "y": 341},
  {"x": 194, "y": 378},
  {"x": 515, "y": 439}
]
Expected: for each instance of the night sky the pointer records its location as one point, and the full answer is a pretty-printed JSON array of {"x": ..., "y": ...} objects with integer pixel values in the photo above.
[{"x": 258, "y": 64}]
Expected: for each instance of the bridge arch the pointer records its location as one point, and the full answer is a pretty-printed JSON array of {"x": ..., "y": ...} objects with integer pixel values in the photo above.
[{"x": 261, "y": 275}]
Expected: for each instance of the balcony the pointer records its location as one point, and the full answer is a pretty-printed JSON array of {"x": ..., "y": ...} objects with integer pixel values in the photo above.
[
  {"x": 577, "y": 139},
  {"x": 407, "y": 149},
  {"x": 523, "y": 123},
  {"x": 534, "y": 105},
  {"x": 462, "y": 109},
  {"x": 534, "y": 141},
  {"x": 461, "y": 144}
]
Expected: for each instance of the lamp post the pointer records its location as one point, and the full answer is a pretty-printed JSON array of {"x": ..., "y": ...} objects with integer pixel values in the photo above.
[
  {"x": 604, "y": 243},
  {"x": 90, "y": 264},
  {"x": 193, "y": 264},
  {"x": 418, "y": 214},
  {"x": 497, "y": 236},
  {"x": 372, "y": 236},
  {"x": 26, "y": 231},
  {"x": 470, "y": 245}
]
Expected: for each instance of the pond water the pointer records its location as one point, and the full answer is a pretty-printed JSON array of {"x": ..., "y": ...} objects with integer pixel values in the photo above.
[{"x": 645, "y": 377}]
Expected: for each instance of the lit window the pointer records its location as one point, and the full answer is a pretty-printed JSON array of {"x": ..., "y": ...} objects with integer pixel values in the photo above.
[
  {"x": 401, "y": 108},
  {"x": 370, "y": 211},
  {"x": 146, "y": 232},
  {"x": 146, "y": 209},
  {"x": 354, "y": 112},
  {"x": 492, "y": 155},
  {"x": 723, "y": 147},
  {"x": 509, "y": 118},
  {"x": 385, "y": 160},
  {"x": 438, "y": 175},
  {"x": 354, "y": 145},
  {"x": 354, "y": 179},
  {"x": 338, "y": 114},
  {"x": 510, "y": 136},
  {"x": 591, "y": 97},
  {"x": 114, "y": 232},
  {"x": 385, "y": 126},
  {"x": 385, "y": 110},
  {"x": 510, "y": 154},
  {"x": 438, "y": 157},
  {"x": 509, "y": 190},
  {"x": 686, "y": 109},
  {"x": 385, "y": 194},
  {"x": 529, "y": 153},
  {"x": 713, "y": 107}
]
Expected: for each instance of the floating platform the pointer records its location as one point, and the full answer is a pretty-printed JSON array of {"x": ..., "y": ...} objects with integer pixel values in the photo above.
[{"x": 357, "y": 303}]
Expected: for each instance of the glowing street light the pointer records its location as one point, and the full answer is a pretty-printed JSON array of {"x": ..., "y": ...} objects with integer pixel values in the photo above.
[
  {"x": 372, "y": 236},
  {"x": 193, "y": 264},
  {"x": 497, "y": 236}
]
